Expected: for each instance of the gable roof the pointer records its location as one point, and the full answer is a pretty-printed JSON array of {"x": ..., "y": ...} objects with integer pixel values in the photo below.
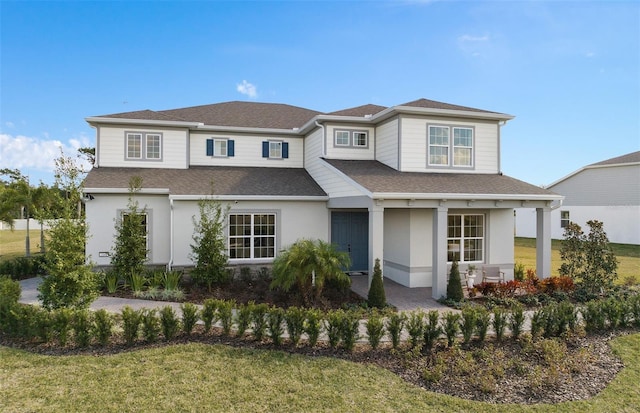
[
  {"x": 197, "y": 180},
  {"x": 379, "y": 178},
  {"x": 363, "y": 110},
  {"x": 432, "y": 104},
  {"x": 632, "y": 158}
]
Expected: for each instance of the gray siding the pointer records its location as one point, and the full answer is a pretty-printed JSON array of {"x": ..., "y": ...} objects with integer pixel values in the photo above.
[{"x": 613, "y": 185}]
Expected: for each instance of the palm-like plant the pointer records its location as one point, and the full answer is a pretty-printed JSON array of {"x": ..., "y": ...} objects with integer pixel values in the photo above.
[{"x": 308, "y": 264}]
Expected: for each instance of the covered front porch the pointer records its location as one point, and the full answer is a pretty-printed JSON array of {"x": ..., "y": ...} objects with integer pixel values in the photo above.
[{"x": 401, "y": 297}]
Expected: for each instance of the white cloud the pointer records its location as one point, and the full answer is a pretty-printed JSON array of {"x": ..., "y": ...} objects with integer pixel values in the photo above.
[
  {"x": 474, "y": 45},
  {"x": 247, "y": 88},
  {"x": 24, "y": 152},
  {"x": 9, "y": 125}
]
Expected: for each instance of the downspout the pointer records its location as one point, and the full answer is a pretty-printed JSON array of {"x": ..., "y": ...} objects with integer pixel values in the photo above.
[
  {"x": 324, "y": 138},
  {"x": 170, "y": 264}
]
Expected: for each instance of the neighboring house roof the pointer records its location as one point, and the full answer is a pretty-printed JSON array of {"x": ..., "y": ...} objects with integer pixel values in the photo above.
[
  {"x": 379, "y": 178},
  {"x": 197, "y": 180},
  {"x": 623, "y": 160}
]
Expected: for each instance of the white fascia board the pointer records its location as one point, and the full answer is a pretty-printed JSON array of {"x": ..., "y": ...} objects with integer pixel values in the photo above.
[
  {"x": 241, "y": 129},
  {"x": 120, "y": 121},
  {"x": 467, "y": 197},
  {"x": 449, "y": 112},
  {"x": 118, "y": 191},
  {"x": 323, "y": 198}
]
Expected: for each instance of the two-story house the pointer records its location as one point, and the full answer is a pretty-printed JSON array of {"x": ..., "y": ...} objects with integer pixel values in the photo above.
[{"x": 417, "y": 185}]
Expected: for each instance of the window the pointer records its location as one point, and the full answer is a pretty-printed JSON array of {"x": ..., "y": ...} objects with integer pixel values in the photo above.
[
  {"x": 444, "y": 151},
  {"x": 462, "y": 146},
  {"x": 153, "y": 146},
  {"x": 275, "y": 149},
  {"x": 438, "y": 145},
  {"x": 143, "y": 146},
  {"x": 220, "y": 147},
  {"x": 359, "y": 139},
  {"x": 356, "y": 139},
  {"x": 342, "y": 138},
  {"x": 465, "y": 238},
  {"x": 134, "y": 145},
  {"x": 252, "y": 236},
  {"x": 564, "y": 219}
]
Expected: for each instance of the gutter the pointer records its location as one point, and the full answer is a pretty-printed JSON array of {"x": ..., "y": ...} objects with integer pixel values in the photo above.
[
  {"x": 324, "y": 138},
  {"x": 170, "y": 263}
]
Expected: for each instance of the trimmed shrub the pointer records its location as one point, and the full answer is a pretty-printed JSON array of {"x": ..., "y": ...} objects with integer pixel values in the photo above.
[
  {"x": 349, "y": 329},
  {"x": 102, "y": 326},
  {"x": 516, "y": 321},
  {"x": 208, "y": 313},
  {"x": 81, "y": 324},
  {"x": 259, "y": 319},
  {"x": 10, "y": 291},
  {"x": 467, "y": 323},
  {"x": 537, "y": 323},
  {"x": 312, "y": 325},
  {"x": 294, "y": 318},
  {"x": 395, "y": 324},
  {"x": 333, "y": 326},
  {"x": 454, "y": 285},
  {"x": 375, "y": 329},
  {"x": 415, "y": 327},
  {"x": 451, "y": 326},
  {"x": 44, "y": 324},
  {"x": 483, "y": 321},
  {"x": 225, "y": 315},
  {"x": 499, "y": 322},
  {"x": 170, "y": 322},
  {"x": 190, "y": 316},
  {"x": 62, "y": 324},
  {"x": 376, "y": 297},
  {"x": 150, "y": 325},
  {"x": 275, "y": 318},
  {"x": 243, "y": 318},
  {"x": 131, "y": 320},
  {"x": 432, "y": 329}
]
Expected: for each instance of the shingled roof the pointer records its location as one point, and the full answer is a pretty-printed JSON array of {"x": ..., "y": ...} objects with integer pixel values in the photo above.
[
  {"x": 377, "y": 177},
  {"x": 633, "y": 157},
  {"x": 359, "y": 110},
  {"x": 197, "y": 180},
  {"x": 432, "y": 104}
]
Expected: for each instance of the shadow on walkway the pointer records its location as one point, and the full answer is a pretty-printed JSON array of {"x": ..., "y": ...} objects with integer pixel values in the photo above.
[{"x": 399, "y": 296}]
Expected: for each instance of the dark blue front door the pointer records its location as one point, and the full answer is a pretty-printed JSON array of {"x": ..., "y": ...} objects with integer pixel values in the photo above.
[{"x": 350, "y": 231}]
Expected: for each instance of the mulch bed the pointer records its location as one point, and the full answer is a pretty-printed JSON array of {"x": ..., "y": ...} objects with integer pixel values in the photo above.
[{"x": 517, "y": 371}]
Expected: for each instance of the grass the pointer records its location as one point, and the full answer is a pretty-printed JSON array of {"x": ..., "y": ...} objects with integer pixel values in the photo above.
[
  {"x": 628, "y": 257},
  {"x": 199, "y": 377},
  {"x": 12, "y": 243}
]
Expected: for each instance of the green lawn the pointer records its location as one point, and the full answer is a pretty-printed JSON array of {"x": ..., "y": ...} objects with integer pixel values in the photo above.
[
  {"x": 12, "y": 243},
  {"x": 198, "y": 377}
]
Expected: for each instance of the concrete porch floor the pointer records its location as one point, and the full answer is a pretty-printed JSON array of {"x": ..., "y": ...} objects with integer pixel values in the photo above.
[{"x": 399, "y": 296}]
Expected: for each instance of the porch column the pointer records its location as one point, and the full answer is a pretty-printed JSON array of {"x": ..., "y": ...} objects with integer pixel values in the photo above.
[
  {"x": 543, "y": 242},
  {"x": 376, "y": 237},
  {"x": 439, "y": 249}
]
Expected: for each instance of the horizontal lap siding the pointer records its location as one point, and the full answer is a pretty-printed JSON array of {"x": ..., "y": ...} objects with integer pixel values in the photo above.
[
  {"x": 248, "y": 151},
  {"x": 355, "y": 153},
  {"x": 387, "y": 143},
  {"x": 413, "y": 145},
  {"x": 111, "y": 149},
  {"x": 614, "y": 185}
]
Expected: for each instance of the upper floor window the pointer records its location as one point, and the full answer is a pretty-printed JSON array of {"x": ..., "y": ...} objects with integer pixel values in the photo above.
[
  {"x": 275, "y": 149},
  {"x": 357, "y": 139},
  {"x": 444, "y": 151},
  {"x": 220, "y": 147},
  {"x": 144, "y": 146}
]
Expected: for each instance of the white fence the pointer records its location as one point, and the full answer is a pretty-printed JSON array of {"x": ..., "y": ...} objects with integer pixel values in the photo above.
[{"x": 21, "y": 224}]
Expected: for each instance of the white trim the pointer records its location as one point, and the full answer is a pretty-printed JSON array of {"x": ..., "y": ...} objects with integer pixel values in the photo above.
[
  {"x": 150, "y": 191},
  {"x": 250, "y": 198},
  {"x": 584, "y": 168},
  {"x": 124, "y": 121},
  {"x": 465, "y": 196}
]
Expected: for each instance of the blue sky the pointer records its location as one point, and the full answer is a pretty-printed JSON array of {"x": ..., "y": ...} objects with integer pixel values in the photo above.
[{"x": 568, "y": 71}]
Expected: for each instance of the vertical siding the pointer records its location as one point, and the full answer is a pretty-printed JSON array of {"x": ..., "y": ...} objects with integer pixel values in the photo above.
[
  {"x": 248, "y": 151},
  {"x": 413, "y": 144},
  {"x": 387, "y": 143},
  {"x": 112, "y": 148}
]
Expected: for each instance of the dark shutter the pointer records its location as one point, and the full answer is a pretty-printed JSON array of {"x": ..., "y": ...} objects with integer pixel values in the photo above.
[
  {"x": 230, "y": 148},
  {"x": 285, "y": 150},
  {"x": 209, "y": 147},
  {"x": 265, "y": 149}
]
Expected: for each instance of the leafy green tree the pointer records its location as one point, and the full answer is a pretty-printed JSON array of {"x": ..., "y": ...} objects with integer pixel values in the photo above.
[
  {"x": 376, "y": 297},
  {"x": 130, "y": 248},
  {"x": 588, "y": 258},
  {"x": 70, "y": 281},
  {"x": 308, "y": 264},
  {"x": 209, "y": 248},
  {"x": 454, "y": 286}
]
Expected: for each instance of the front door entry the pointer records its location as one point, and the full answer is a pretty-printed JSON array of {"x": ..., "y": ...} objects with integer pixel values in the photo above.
[{"x": 350, "y": 231}]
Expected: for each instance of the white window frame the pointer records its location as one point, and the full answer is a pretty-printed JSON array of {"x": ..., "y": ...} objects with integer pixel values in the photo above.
[
  {"x": 218, "y": 150},
  {"x": 253, "y": 237},
  {"x": 439, "y": 145},
  {"x": 355, "y": 139},
  {"x": 564, "y": 221},
  {"x": 130, "y": 136},
  {"x": 345, "y": 134},
  {"x": 461, "y": 244},
  {"x": 275, "y": 149},
  {"x": 148, "y": 147},
  {"x": 465, "y": 147}
]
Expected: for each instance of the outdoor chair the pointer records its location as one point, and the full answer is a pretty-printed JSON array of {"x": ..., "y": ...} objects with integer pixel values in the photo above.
[{"x": 492, "y": 275}]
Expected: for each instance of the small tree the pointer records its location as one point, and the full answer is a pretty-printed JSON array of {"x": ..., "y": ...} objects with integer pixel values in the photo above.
[
  {"x": 130, "y": 249},
  {"x": 70, "y": 281},
  {"x": 588, "y": 258},
  {"x": 208, "y": 251},
  {"x": 376, "y": 297},
  {"x": 307, "y": 264},
  {"x": 454, "y": 286}
]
